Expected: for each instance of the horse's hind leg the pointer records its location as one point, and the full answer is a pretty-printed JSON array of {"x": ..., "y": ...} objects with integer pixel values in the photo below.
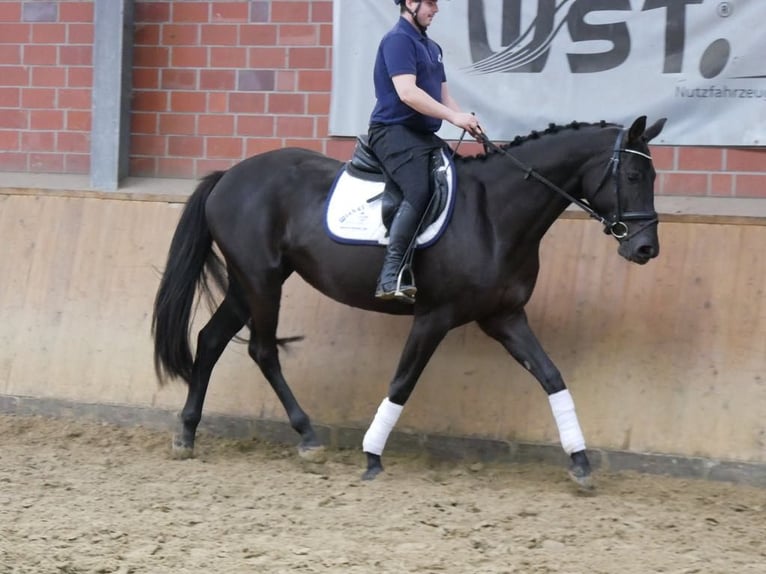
[
  {"x": 225, "y": 323},
  {"x": 514, "y": 333},
  {"x": 264, "y": 351}
]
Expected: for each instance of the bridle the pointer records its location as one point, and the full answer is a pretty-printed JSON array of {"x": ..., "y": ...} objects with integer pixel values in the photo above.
[{"x": 615, "y": 224}]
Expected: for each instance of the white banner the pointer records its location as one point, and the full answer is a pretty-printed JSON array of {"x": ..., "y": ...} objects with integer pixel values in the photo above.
[{"x": 522, "y": 64}]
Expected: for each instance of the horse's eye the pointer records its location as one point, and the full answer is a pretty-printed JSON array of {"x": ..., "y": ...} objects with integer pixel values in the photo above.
[{"x": 634, "y": 176}]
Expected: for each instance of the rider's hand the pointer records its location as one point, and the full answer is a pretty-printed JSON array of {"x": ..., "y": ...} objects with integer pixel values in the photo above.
[{"x": 468, "y": 122}]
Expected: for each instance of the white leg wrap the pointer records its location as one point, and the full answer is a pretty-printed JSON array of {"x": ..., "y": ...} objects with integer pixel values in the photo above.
[
  {"x": 376, "y": 436},
  {"x": 563, "y": 409}
]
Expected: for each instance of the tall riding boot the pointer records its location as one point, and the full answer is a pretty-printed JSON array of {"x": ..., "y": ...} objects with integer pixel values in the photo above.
[{"x": 392, "y": 285}]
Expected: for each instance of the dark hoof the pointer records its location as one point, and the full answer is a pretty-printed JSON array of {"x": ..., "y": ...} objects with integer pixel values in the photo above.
[
  {"x": 374, "y": 467},
  {"x": 181, "y": 450},
  {"x": 580, "y": 471}
]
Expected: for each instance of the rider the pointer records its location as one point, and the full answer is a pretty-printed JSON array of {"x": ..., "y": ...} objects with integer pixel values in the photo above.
[{"x": 412, "y": 100}]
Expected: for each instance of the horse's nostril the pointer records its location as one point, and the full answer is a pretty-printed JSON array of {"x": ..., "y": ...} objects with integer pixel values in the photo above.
[{"x": 648, "y": 251}]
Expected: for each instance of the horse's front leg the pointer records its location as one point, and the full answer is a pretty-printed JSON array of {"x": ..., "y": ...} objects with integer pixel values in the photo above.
[
  {"x": 514, "y": 333},
  {"x": 426, "y": 334}
]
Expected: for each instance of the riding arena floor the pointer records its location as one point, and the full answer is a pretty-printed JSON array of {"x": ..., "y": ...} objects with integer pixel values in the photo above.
[{"x": 85, "y": 497}]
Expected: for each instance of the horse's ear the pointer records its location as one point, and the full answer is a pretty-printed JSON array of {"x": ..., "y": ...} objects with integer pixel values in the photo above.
[
  {"x": 637, "y": 129},
  {"x": 654, "y": 130}
]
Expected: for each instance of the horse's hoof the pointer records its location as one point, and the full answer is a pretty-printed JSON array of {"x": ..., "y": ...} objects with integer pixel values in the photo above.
[
  {"x": 181, "y": 450},
  {"x": 374, "y": 466},
  {"x": 312, "y": 453},
  {"x": 584, "y": 482}
]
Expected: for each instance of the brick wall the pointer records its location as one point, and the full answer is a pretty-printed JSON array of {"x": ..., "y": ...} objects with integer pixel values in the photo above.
[{"x": 217, "y": 81}]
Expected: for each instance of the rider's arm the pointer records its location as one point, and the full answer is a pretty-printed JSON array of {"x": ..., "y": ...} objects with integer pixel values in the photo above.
[{"x": 420, "y": 101}]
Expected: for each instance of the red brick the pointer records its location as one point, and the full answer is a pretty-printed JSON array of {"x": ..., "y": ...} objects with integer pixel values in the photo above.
[
  {"x": 178, "y": 124},
  {"x": 298, "y": 35},
  {"x": 76, "y": 163},
  {"x": 286, "y": 80},
  {"x": 699, "y": 159},
  {"x": 146, "y": 35},
  {"x": 247, "y": 103},
  {"x": 313, "y": 144},
  {"x": 188, "y": 57},
  {"x": 143, "y": 123},
  {"x": 218, "y": 102},
  {"x": 43, "y": 55},
  {"x": 80, "y": 34},
  {"x": 38, "y": 98},
  {"x": 315, "y": 81},
  {"x": 219, "y": 35},
  {"x": 321, "y": 12},
  {"x": 750, "y": 186},
  {"x": 268, "y": 57},
  {"x": 223, "y": 147},
  {"x": 251, "y": 126},
  {"x": 230, "y": 57},
  {"x": 340, "y": 149},
  {"x": 722, "y": 184},
  {"x": 261, "y": 145},
  {"x": 49, "y": 33},
  {"x": 207, "y": 165},
  {"x": 38, "y": 141},
  {"x": 151, "y": 57},
  {"x": 75, "y": 11},
  {"x": 279, "y": 103},
  {"x": 187, "y": 102},
  {"x": 78, "y": 120},
  {"x": 152, "y": 12},
  {"x": 230, "y": 11},
  {"x": 73, "y": 142},
  {"x": 325, "y": 35},
  {"x": 10, "y": 161},
  {"x": 9, "y": 139},
  {"x": 663, "y": 157},
  {"x": 257, "y": 35},
  {"x": 54, "y": 77},
  {"x": 150, "y": 101},
  {"x": 10, "y": 97},
  {"x": 315, "y": 58},
  {"x": 173, "y": 79},
  {"x": 82, "y": 77},
  {"x": 148, "y": 145},
  {"x": 215, "y": 125},
  {"x": 295, "y": 127},
  {"x": 11, "y": 55},
  {"x": 191, "y": 12},
  {"x": 217, "y": 80},
  {"x": 142, "y": 166},
  {"x": 46, "y": 162},
  {"x": 14, "y": 76},
  {"x": 10, "y": 11},
  {"x": 175, "y": 167},
  {"x": 180, "y": 35},
  {"x": 318, "y": 104},
  {"x": 14, "y": 119},
  {"x": 15, "y": 33},
  {"x": 694, "y": 184},
  {"x": 146, "y": 78},
  {"x": 746, "y": 160},
  {"x": 321, "y": 126},
  {"x": 186, "y": 146},
  {"x": 290, "y": 11}
]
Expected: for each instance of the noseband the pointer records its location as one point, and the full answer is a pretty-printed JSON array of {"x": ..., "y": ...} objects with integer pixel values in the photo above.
[{"x": 615, "y": 224}]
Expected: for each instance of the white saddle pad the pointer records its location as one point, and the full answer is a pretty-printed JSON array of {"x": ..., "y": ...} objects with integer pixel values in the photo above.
[{"x": 354, "y": 210}]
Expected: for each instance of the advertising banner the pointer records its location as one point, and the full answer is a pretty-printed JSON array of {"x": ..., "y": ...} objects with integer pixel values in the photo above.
[{"x": 523, "y": 64}]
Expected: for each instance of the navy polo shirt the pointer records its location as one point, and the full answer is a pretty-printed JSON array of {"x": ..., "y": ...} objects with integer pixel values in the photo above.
[{"x": 404, "y": 50}]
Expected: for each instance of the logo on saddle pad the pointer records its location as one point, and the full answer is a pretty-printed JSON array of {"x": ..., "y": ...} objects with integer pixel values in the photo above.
[{"x": 360, "y": 204}]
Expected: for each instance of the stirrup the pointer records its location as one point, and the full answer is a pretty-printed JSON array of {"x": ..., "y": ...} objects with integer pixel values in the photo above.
[{"x": 402, "y": 293}]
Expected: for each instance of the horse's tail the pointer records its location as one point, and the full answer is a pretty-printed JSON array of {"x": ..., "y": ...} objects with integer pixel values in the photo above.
[{"x": 190, "y": 251}]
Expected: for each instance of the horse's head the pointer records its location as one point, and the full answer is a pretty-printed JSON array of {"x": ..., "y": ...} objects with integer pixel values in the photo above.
[{"x": 622, "y": 192}]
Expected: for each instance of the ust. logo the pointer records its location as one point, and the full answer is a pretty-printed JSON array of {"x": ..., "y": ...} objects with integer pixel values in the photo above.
[{"x": 528, "y": 50}]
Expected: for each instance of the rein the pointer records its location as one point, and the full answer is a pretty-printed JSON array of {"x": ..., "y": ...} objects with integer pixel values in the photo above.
[{"x": 615, "y": 225}]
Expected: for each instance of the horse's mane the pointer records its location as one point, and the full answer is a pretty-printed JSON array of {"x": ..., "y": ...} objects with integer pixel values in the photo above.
[{"x": 533, "y": 135}]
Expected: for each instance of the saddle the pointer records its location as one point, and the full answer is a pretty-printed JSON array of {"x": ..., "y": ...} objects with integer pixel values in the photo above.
[{"x": 365, "y": 165}]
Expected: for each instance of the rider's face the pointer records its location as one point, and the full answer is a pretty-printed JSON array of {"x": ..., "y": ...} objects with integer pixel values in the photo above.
[{"x": 427, "y": 11}]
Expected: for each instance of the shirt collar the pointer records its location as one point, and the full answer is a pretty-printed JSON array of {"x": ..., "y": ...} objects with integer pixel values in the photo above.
[{"x": 404, "y": 25}]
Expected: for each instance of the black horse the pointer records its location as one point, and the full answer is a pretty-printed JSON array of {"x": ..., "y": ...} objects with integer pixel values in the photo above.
[{"x": 265, "y": 215}]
